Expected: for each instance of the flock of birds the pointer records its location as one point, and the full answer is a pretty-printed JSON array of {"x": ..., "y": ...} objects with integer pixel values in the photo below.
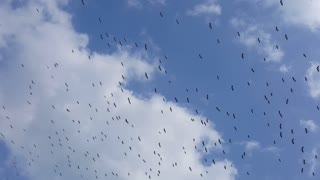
[{"x": 65, "y": 141}]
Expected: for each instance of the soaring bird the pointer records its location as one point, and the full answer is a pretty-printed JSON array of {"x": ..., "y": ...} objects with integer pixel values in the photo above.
[
  {"x": 318, "y": 68},
  {"x": 281, "y": 2},
  {"x": 210, "y": 25}
]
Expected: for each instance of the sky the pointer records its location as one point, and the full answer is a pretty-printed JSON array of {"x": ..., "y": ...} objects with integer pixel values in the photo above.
[{"x": 159, "y": 89}]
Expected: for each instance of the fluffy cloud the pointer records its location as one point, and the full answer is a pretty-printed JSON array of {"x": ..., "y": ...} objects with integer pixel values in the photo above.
[
  {"x": 207, "y": 8},
  {"x": 67, "y": 113},
  {"x": 313, "y": 81},
  {"x": 284, "y": 68},
  {"x": 310, "y": 124},
  {"x": 296, "y": 12},
  {"x": 140, "y": 3},
  {"x": 249, "y": 34},
  {"x": 251, "y": 145}
]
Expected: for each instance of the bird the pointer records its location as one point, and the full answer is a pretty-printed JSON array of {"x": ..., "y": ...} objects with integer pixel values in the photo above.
[
  {"x": 281, "y": 2},
  {"x": 210, "y": 25},
  {"x": 318, "y": 68}
]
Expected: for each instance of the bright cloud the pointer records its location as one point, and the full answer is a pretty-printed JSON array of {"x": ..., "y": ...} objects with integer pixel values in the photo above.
[
  {"x": 284, "y": 68},
  {"x": 249, "y": 34},
  {"x": 297, "y": 12},
  {"x": 310, "y": 124},
  {"x": 69, "y": 114},
  {"x": 207, "y": 8},
  {"x": 313, "y": 80}
]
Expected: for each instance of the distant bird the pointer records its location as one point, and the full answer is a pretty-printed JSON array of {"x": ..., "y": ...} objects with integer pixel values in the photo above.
[
  {"x": 161, "y": 14},
  {"x": 145, "y": 47},
  {"x": 281, "y": 2},
  {"x": 146, "y": 75},
  {"x": 318, "y": 68},
  {"x": 210, "y": 25},
  {"x": 304, "y": 55},
  {"x": 82, "y": 2}
]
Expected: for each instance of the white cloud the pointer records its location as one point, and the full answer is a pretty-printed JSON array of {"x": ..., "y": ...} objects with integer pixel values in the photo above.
[
  {"x": 284, "y": 68},
  {"x": 313, "y": 80},
  {"x": 251, "y": 145},
  {"x": 48, "y": 38},
  {"x": 249, "y": 34},
  {"x": 312, "y": 161},
  {"x": 207, "y": 8},
  {"x": 140, "y": 3},
  {"x": 310, "y": 125},
  {"x": 297, "y": 12}
]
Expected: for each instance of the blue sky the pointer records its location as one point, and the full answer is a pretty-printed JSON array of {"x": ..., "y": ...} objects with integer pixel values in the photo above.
[{"x": 38, "y": 40}]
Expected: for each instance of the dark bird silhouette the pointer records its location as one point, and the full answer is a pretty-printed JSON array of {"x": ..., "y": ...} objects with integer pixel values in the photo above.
[
  {"x": 210, "y": 25},
  {"x": 281, "y": 2}
]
